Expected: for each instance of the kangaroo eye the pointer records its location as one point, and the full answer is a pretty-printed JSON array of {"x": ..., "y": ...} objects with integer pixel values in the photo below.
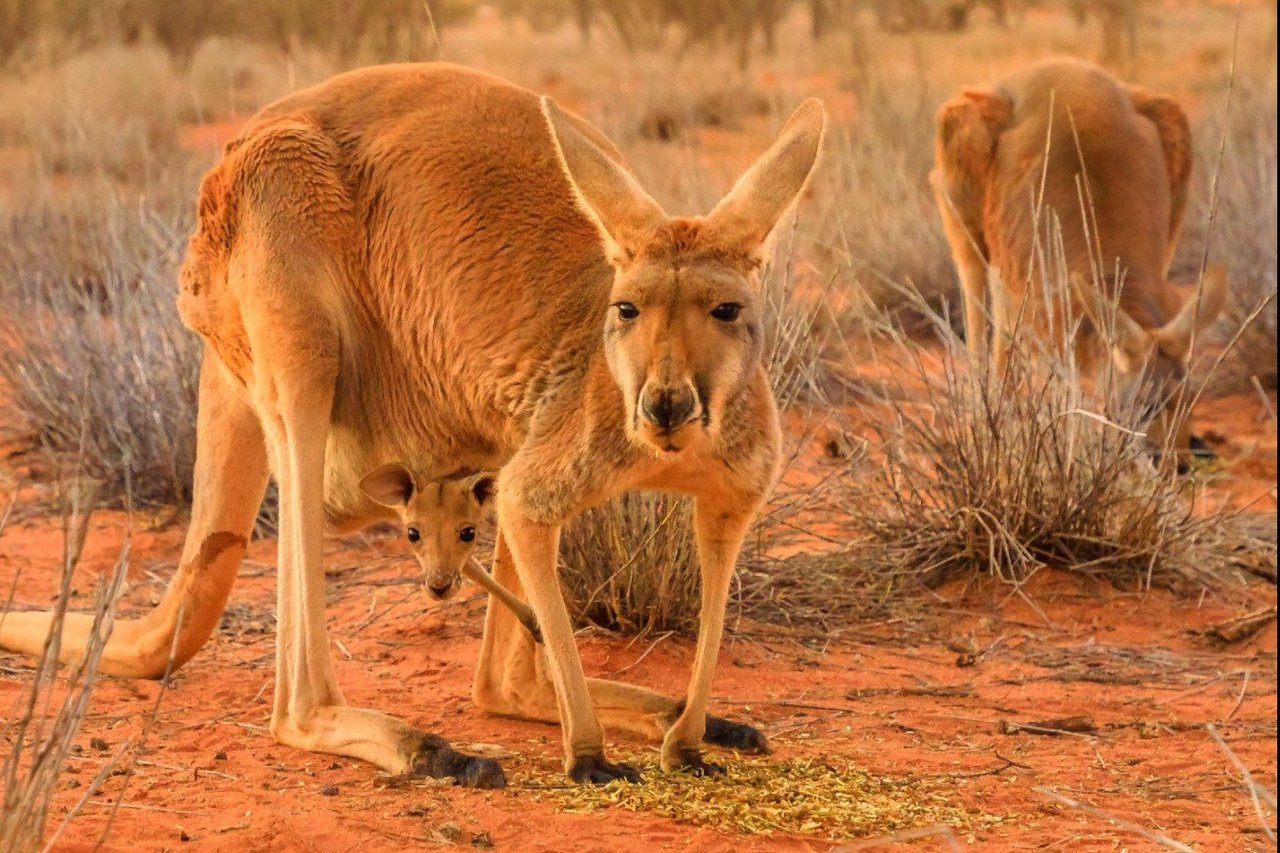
[
  {"x": 412, "y": 534},
  {"x": 726, "y": 312},
  {"x": 467, "y": 534},
  {"x": 626, "y": 311}
]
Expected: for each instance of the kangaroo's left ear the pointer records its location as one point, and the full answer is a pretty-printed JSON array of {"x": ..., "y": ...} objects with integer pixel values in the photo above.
[
  {"x": 747, "y": 215},
  {"x": 483, "y": 487}
]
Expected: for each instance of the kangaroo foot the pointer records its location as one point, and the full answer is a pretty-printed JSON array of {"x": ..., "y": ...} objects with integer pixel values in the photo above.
[
  {"x": 597, "y": 771},
  {"x": 731, "y": 735},
  {"x": 690, "y": 761},
  {"x": 434, "y": 757}
]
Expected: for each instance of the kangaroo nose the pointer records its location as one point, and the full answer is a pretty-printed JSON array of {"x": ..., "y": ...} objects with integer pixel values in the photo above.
[{"x": 666, "y": 407}]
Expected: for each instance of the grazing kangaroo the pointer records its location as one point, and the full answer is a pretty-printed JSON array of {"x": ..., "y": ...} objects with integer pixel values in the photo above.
[
  {"x": 1053, "y": 125},
  {"x": 423, "y": 256},
  {"x": 439, "y": 520}
]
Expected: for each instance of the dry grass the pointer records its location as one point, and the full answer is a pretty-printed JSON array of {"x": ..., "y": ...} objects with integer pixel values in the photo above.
[
  {"x": 1242, "y": 230},
  {"x": 964, "y": 477},
  {"x": 92, "y": 341},
  {"x": 1009, "y": 476},
  {"x": 41, "y": 728},
  {"x": 762, "y": 796},
  {"x": 630, "y": 565}
]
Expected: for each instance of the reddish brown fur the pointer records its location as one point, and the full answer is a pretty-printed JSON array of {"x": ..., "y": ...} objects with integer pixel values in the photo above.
[
  {"x": 413, "y": 263},
  {"x": 684, "y": 242},
  {"x": 1106, "y": 161}
]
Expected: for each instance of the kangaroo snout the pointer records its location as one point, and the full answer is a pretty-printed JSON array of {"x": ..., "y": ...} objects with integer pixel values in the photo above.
[
  {"x": 667, "y": 407},
  {"x": 442, "y": 588}
]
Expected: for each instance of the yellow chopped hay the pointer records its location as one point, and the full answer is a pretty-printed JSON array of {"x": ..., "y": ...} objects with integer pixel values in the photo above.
[{"x": 759, "y": 796}]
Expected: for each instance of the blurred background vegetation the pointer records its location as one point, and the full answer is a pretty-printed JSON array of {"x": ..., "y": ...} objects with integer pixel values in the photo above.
[{"x": 34, "y": 32}]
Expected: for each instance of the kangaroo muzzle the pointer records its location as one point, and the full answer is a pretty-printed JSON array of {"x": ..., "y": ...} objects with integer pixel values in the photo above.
[
  {"x": 667, "y": 407},
  {"x": 442, "y": 588}
]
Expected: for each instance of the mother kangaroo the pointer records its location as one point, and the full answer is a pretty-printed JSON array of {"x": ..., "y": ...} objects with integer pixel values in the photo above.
[{"x": 422, "y": 263}]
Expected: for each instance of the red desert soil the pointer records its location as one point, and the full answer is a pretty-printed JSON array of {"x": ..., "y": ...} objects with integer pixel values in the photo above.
[{"x": 890, "y": 696}]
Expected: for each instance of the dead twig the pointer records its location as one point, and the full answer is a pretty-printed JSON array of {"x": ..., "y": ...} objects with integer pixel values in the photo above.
[
  {"x": 1257, "y": 793},
  {"x": 1059, "y": 726},
  {"x": 194, "y": 771},
  {"x": 1006, "y": 763},
  {"x": 644, "y": 655},
  {"x": 1240, "y": 628},
  {"x": 1159, "y": 838},
  {"x": 1244, "y": 687},
  {"x": 941, "y": 690}
]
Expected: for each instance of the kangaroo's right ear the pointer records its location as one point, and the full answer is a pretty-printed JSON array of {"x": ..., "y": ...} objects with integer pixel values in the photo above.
[
  {"x": 391, "y": 485},
  {"x": 623, "y": 212},
  {"x": 483, "y": 487}
]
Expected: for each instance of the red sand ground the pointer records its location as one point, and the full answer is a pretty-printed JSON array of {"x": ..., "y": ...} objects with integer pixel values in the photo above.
[{"x": 874, "y": 695}]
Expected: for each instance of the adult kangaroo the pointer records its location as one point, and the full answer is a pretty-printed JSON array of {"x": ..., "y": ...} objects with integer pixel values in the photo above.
[
  {"x": 424, "y": 264},
  {"x": 1111, "y": 165}
]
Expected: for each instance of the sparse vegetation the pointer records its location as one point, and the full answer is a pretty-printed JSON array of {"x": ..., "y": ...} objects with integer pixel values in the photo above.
[
  {"x": 95, "y": 348},
  {"x": 1010, "y": 476},
  {"x": 962, "y": 477}
]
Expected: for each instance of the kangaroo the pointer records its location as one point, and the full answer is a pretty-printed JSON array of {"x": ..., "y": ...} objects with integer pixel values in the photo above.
[
  {"x": 1057, "y": 123},
  {"x": 422, "y": 255},
  {"x": 439, "y": 520},
  {"x": 440, "y": 523}
]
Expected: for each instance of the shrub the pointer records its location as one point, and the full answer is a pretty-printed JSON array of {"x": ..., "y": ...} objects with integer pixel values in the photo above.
[
  {"x": 1007, "y": 476},
  {"x": 91, "y": 347},
  {"x": 966, "y": 476}
]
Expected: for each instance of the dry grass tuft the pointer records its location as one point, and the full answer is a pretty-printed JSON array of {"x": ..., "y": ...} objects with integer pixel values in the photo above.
[
  {"x": 971, "y": 476},
  {"x": 759, "y": 797},
  {"x": 631, "y": 565},
  {"x": 1009, "y": 476},
  {"x": 90, "y": 340},
  {"x": 42, "y": 726}
]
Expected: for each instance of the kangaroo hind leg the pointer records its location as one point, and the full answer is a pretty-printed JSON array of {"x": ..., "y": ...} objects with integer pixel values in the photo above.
[
  {"x": 291, "y": 270},
  {"x": 228, "y": 483},
  {"x": 968, "y": 128}
]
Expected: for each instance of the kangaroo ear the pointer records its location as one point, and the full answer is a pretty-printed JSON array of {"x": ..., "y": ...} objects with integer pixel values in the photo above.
[
  {"x": 746, "y": 216},
  {"x": 1108, "y": 318},
  {"x": 484, "y": 486},
  {"x": 1211, "y": 295},
  {"x": 390, "y": 485},
  {"x": 623, "y": 212}
]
